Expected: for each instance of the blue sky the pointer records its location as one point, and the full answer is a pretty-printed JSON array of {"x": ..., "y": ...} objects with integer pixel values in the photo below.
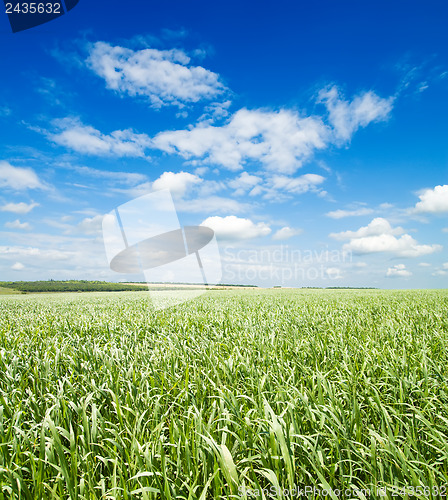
[{"x": 311, "y": 136}]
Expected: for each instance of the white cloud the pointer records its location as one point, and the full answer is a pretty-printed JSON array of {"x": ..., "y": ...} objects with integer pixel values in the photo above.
[
  {"x": 424, "y": 264},
  {"x": 280, "y": 141},
  {"x": 18, "y": 178},
  {"x": 398, "y": 271},
  {"x": 235, "y": 228},
  {"x": 380, "y": 236},
  {"x": 216, "y": 111},
  {"x": 208, "y": 187},
  {"x": 17, "y": 225},
  {"x": 339, "y": 214},
  {"x": 433, "y": 201},
  {"x": 163, "y": 76},
  {"x": 285, "y": 233},
  {"x": 177, "y": 183},
  {"x": 440, "y": 272},
  {"x": 18, "y": 266},
  {"x": 445, "y": 230},
  {"x": 139, "y": 190},
  {"x": 405, "y": 246},
  {"x": 212, "y": 204},
  {"x": 19, "y": 208},
  {"x": 445, "y": 265},
  {"x": 346, "y": 117},
  {"x": 91, "y": 225},
  {"x": 376, "y": 227},
  {"x": 245, "y": 182},
  {"x": 73, "y": 134},
  {"x": 26, "y": 251},
  {"x": 115, "y": 177},
  {"x": 296, "y": 185},
  {"x": 36, "y": 253},
  {"x": 333, "y": 273}
]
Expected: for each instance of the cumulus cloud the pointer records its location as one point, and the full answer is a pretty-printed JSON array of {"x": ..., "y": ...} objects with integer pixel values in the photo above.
[
  {"x": 18, "y": 178},
  {"x": 17, "y": 225},
  {"x": 376, "y": 227},
  {"x": 177, "y": 183},
  {"x": 165, "y": 77},
  {"x": 279, "y": 140},
  {"x": 73, "y": 134},
  {"x": 398, "y": 271},
  {"x": 340, "y": 214},
  {"x": 347, "y": 117},
  {"x": 285, "y": 233},
  {"x": 380, "y": 236},
  {"x": 19, "y": 208},
  {"x": 18, "y": 266},
  {"x": 235, "y": 228},
  {"x": 433, "y": 201}
]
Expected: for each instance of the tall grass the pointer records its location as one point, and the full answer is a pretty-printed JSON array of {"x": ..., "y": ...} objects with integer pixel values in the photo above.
[{"x": 231, "y": 395}]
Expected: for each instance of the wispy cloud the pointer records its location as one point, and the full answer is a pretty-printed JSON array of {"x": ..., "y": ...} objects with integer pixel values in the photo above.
[
  {"x": 18, "y": 225},
  {"x": 296, "y": 185},
  {"x": 19, "y": 208},
  {"x": 109, "y": 175},
  {"x": 340, "y": 214},
  {"x": 285, "y": 233},
  {"x": 347, "y": 117},
  {"x": 85, "y": 139}
]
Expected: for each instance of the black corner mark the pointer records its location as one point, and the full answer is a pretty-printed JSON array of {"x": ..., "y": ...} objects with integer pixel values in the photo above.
[{"x": 26, "y": 14}]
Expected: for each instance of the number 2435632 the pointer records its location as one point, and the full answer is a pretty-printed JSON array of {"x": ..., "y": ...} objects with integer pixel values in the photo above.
[{"x": 33, "y": 8}]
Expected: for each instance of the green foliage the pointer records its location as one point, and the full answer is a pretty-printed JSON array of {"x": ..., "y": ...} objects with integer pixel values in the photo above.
[
  {"x": 101, "y": 396},
  {"x": 72, "y": 286}
]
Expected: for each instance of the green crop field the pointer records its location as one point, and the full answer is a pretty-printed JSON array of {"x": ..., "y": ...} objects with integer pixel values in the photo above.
[{"x": 238, "y": 394}]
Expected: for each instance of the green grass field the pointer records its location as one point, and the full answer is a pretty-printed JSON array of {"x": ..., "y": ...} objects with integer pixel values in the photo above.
[
  {"x": 8, "y": 291},
  {"x": 239, "y": 394}
]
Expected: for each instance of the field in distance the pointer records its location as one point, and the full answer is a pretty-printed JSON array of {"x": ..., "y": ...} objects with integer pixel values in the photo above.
[
  {"x": 50, "y": 286},
  {"x": 236, "y": 394}
]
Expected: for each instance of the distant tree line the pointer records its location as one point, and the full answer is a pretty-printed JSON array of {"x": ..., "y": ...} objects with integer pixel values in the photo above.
[{"x": 71, "y": 286}]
